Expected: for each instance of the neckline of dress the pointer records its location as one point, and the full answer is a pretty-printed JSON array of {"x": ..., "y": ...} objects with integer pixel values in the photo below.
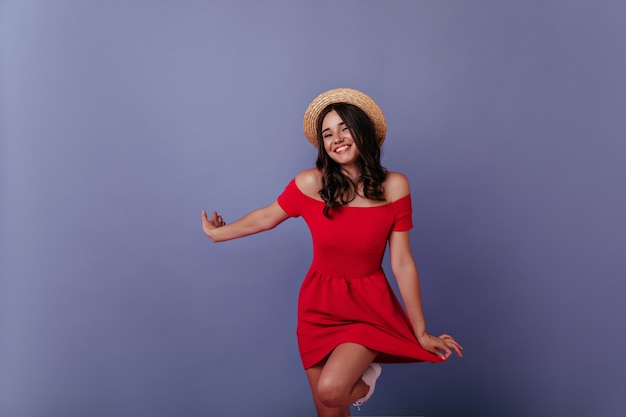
[{"x": 358, "y": 207}]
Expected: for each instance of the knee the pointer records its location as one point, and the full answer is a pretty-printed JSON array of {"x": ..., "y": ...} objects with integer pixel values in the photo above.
[{"x": 332, "y": 393}]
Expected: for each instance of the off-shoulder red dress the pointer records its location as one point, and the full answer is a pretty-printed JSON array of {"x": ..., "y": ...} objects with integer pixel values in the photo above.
[{"x": 345, "y": 296}]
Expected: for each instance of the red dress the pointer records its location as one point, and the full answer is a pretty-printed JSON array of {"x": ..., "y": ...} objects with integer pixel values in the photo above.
[{"x": 345, "y": 296}]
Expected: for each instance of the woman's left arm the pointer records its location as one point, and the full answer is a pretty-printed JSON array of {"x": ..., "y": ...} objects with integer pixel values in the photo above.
[{"x": 405, "y": 271}]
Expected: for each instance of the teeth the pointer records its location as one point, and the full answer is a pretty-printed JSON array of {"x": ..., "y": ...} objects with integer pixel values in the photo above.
[{"x": 342, "y": 148}]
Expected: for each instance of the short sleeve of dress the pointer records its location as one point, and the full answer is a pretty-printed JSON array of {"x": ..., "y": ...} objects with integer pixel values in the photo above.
[
  {"x": 403, "y": 215},
  {"x": 291, "y": 200}
]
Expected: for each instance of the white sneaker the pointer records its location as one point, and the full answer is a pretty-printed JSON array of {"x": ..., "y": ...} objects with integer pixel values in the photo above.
[{"x": 370, "y": 376}]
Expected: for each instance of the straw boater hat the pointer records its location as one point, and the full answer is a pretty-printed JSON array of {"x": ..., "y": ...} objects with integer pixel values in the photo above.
[{"x": 343, "y": 95}]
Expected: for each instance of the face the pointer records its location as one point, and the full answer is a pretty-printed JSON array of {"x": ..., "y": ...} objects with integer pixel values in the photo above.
[{"x": 338, "y": 141}]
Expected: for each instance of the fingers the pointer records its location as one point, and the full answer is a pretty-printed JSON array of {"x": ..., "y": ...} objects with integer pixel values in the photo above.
[
  {"x": 453, "y": 344},
  {"x": 437, "y": 346},
  {"x": 205, "y": 219},
  {"x": 215, "y": 221},
  {"x": 443, "y": 352},
  {"x": 442, "y": 346},
  {"x": 447, "y": 352}
]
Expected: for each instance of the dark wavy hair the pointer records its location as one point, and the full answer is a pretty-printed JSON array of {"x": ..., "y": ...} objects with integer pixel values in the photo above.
[{"x": 338, "y": 189}]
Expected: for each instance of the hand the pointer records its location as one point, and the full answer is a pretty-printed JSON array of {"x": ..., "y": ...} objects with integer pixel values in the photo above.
[
  {"x": 441, "y": 346},
  {"x": 209, "y": 225}
]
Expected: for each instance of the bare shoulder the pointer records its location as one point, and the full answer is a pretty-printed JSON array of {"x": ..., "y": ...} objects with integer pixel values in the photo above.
[
  {"x": 309, "y": 182},
  {"x": 396, "y": 186}
]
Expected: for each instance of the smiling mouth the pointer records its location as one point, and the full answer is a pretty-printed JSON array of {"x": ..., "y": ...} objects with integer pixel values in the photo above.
[{"x": 342, "y": 149}]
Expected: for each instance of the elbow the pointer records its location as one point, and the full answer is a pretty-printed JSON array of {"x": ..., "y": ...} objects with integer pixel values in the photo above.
[
  {"x": 403, "y": 266},
  {"x": 267, "y": 224},
  {"x": 397, "y": 271}
]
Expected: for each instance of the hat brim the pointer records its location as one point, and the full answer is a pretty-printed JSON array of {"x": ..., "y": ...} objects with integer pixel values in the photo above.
[{"x": 343, "y": 95}]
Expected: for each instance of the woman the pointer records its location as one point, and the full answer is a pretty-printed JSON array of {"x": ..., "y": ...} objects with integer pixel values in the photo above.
[{"x": 349, "y": 319}]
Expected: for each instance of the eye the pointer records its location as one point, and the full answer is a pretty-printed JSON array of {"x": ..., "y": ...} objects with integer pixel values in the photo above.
[{"x": 327, "y": 135}]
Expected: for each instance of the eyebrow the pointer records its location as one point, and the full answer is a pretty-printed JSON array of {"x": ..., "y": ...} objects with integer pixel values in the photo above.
[{"x": 338, "y": 124}]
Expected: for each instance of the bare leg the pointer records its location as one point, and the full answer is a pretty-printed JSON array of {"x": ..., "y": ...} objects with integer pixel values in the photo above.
[
  {"x": 313, "y": 375},
  {"x": 336, "y": 383}
]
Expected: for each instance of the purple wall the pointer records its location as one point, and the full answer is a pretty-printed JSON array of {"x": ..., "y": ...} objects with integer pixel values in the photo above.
[{"x": 119, "y": 122}]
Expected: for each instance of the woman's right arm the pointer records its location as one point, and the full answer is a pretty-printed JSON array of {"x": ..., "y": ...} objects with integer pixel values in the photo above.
[{"x": 265, "y": 218}]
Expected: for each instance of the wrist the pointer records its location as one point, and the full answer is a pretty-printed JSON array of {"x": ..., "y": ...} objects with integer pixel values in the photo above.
[
  {"x": 212, "y": 235},
  {"x": 421, "y": 335}
]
